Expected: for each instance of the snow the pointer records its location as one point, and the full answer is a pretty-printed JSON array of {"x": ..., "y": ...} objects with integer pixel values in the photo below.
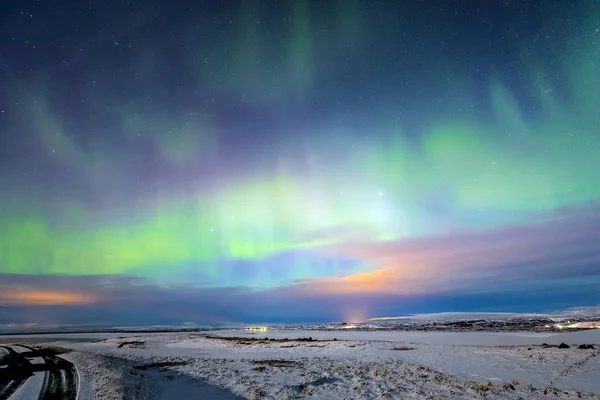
[
  {"x": 359, "y": 364},
  {"x": 462, "y": 315},
  {"x": 109, "y": 378},
  {"x": 3, "y": 354},
  {"x": 433, "y": 338},
  {"x": 32, "y": 388},
  {"x": 20, "y": 349},
  {"x": 36, "y": 360}
]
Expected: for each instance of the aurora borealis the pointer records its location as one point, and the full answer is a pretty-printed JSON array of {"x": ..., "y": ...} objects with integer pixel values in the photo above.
[{"x": 163, "y": 162}]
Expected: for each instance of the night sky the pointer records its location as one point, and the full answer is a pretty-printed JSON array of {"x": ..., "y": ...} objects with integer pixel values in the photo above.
[{"x": 290, "y": 161}]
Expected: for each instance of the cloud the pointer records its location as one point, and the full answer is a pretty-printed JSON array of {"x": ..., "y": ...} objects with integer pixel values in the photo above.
[
  {"x": 473, "y": 260},
  {"x": 537, "y": 266},
  {"x": 53, "y": 299},
  {"x": 130, "y": 301}
]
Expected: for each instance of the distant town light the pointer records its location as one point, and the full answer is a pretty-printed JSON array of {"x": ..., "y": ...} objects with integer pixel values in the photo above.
[
  {"x": 257, "y": 328},
  {"x": 576, "y": 325}
]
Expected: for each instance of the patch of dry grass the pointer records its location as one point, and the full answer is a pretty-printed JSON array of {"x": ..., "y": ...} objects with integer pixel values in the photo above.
[
  {"x": 403, "y": 348},
  {"x": 133, "y": 344},
  {"x": 53, "y": 350},
  {"x": 482, "y": 386},
  {"x": 507, "y": 386},
  {"x": 246, "y": 341},
  {"x": 164, "y": 364},
  {"x": 275, "y": 363}
]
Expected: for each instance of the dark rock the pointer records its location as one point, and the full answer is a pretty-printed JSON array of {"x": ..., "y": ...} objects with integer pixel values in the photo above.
[
  {"x": 586, "y": 347},
  {"x": 564, "y": 346}
]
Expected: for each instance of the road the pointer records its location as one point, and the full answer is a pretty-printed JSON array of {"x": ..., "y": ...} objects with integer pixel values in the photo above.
[{"x": 28, "y": 373}]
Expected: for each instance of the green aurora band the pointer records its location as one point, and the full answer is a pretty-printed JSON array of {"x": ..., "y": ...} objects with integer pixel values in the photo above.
[{"x": 490, "y": 172}]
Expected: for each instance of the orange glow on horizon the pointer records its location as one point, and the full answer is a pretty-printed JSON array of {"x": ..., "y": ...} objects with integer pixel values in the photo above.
[
  {"x": 396, "y": 279},
  {"x": 373, "y": 281},
  {"x": 45, "y": 298}
]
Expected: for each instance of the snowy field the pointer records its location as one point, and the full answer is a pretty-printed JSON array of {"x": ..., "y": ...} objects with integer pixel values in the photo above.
[{"x": 333, "y": 365}]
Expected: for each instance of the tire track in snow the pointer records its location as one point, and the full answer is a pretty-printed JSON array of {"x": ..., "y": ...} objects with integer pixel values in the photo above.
[
  {"x": 48, "y": 377},
  {"x": 570, "y": 369},
  {"x": 62, "y": 380},
  {"x": 15, "y": 372}
]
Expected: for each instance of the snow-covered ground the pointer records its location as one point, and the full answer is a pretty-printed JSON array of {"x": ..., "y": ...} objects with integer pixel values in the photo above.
[{"x": 357, "y": 365}]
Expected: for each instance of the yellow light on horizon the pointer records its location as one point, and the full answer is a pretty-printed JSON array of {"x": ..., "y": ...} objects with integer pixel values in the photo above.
[{"x": 257, "y": 328}]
